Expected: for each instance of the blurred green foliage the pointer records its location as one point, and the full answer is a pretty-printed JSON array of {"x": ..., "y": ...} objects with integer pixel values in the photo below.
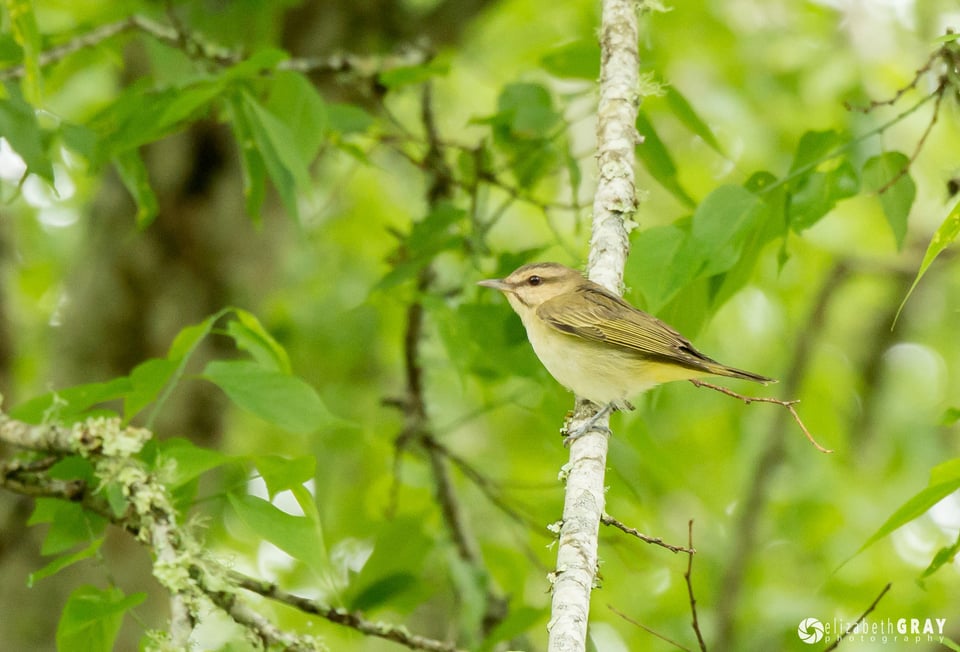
[{"x": 763, "y": 236}]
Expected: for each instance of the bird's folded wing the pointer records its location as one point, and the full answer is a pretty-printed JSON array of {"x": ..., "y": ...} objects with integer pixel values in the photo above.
[{"x": 595, "y": 314}]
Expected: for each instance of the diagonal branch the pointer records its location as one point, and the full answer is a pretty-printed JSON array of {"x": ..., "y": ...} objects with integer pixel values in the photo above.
[
  {"x": 395, "y": 633},
  {"x": 200, "y": 47},
  {"x": 788, "y": 405},
  {"x": 647, "y": 629},
  {"x": 853, "y": 626},
  {"x": 606, "y": 519},
  {"x": 180, "y": 562}
]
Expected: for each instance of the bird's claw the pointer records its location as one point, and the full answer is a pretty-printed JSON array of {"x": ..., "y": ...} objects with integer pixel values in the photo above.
[{"x": 591, "y": 425}]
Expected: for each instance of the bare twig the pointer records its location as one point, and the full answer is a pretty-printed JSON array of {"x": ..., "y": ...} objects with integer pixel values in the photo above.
[
  {"x": 606, "y": 519},
  {"x": 647, "y": 629},
  {"x": 688, "y": 577},
  {"x": 937, "y": 54},
  {"x": 487, "y": 486},
  {"x": 200, "y": 47},
  {"x": 940, "y": 92},
  {"x": 395, "y": 633},
  {"x": 873, "y": 605},
  {"x": 789, "y": 405}
]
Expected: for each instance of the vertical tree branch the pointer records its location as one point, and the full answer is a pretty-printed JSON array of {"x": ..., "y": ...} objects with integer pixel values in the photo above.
[
  {"x": 744, "y": 544},
  {"x": 417, "y": 429},
  {"x": 614, "y": 204}
]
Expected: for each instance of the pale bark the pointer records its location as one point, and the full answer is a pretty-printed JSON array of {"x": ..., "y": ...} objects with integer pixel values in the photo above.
[{"x": 613, "y": 208}]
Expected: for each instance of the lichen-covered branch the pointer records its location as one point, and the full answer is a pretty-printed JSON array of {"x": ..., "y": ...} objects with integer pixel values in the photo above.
[
  {"x": 181, "y": 564},
  {"x": 614, "y": 204},
  {"x": 200, "y": 47}
]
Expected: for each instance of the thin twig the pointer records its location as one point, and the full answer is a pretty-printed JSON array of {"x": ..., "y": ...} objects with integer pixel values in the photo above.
[
  {"x": 903, "y": 91},
  {"x": 789, "y": 405},
  {"x": 941, "y": 91},
  {"x": 200, "y": 47},
  {"x": 647, "y": 629},
  {"x": 488, "y": 487},
  {"x": 688, "y": 577},
  {"x": 873, "y": 605},
  {"x": 395, "y": 633},
  {"x": 606, "y": 519}
]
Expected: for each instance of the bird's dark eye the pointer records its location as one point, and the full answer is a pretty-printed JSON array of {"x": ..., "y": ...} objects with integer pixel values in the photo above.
[{"x": 534, "y": 280}]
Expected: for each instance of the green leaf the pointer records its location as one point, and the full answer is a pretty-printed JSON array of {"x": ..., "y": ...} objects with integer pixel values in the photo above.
[
  {"x": 383, "y": 590},
  {"x": 295, "y": 98},
  {"x": 948, "y": 471},
  {"x": 657, "y": 160},
  {"x": 70, "y": 525},
  {"x": 348, "y": 119},
  {"x": 135, "y": 177},
  {"x": 814, "y": 148},
  {"x": 141, "y": 116},
  {"x": 650, "y": 269},
  {"x": 280, "y": 473},
  {"x": 252, "y": 167},
  {"x": 524, "y": 130},
  {"x": 182, "y": 461},
  {"x": 518, "y": 621},
  {"x": 277, "y": 146},
  {"x": 64, "y": 561},
  {"x": 943, "y": 556},
  {"x": 283, "y": 400},
  {"x": 252, "y": 67},
  {"x": 71, "y": 403},
  {"x": 18, "y": 124},
  {"x": 913, "y": 508},
  {"x": 249, "y": 335},
  {"x": 189, "y": 337},
  {"x": 944, "y": 480},
  {"x": 685, "y": 113},
  {"x": 407, "y": 75},
  {"x": 527, "y": 109},
  {"x": 428, "y": 237},
  {"x": 147, "y": 381},
  {"x": 91, "y": 619},
  {"x": 887, "y": 174},
  {"x": 947, "y": 38},
  {"x": 80, "y": 139},
  {"x": 950, "y": 416},
  {"x": 298, "y": 536},
  {"x": 818, "y": 192},
  {"x": 400, "y": 551},
  {"x": 575, "y": 60},
  {"x": 950, "y": 644},
  {"x": 945, "y": 235},
  {"x": 23, "y": 25},
  {"x": 721, "y": 225}
]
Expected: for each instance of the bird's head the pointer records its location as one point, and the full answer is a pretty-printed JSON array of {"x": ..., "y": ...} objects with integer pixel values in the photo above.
[{"x": 532, "y": 285}]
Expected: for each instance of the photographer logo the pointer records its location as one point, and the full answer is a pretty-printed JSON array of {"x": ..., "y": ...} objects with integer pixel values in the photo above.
[{"x": 810, "y": 631}]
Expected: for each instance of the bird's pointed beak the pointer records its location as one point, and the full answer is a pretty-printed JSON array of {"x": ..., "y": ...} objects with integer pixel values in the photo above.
[{"x": 496, "y": 284}]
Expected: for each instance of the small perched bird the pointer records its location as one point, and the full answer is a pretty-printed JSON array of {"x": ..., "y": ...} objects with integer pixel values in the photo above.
[{"x": 595, "y": 343}]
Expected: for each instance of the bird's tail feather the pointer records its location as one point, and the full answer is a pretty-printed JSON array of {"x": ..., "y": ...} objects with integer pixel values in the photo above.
[{"x": 723, "y": 370}]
